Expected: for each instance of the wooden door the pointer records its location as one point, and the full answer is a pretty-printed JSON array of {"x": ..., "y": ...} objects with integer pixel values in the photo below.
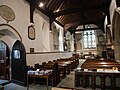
[
  {"x": 4, "y": 61},
  {"x": 18, "y": 64}
]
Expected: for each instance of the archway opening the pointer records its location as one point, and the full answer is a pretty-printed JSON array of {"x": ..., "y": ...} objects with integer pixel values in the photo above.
[{"x": 4, "y": 61}]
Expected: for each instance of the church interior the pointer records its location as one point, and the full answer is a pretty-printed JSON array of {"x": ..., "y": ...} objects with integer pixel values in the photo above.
[{"x": 59, "y": 44}]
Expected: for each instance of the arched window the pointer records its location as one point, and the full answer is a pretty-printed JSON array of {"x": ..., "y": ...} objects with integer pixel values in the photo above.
[{"x": 89, "y": 39}]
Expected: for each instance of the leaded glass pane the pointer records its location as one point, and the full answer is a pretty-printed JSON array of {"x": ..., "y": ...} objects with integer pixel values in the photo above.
[{"x": 89, "y": 39}]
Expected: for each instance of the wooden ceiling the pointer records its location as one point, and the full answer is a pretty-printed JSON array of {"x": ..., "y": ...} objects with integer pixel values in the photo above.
[{"x": 72, "y": 13}]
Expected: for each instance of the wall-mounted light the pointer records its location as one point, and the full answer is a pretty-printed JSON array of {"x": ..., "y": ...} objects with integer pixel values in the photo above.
[{"x": 41, "y": 5}]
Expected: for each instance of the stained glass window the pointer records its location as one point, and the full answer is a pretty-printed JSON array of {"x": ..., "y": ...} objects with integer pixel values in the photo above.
[{"x": 89, "y": 39}]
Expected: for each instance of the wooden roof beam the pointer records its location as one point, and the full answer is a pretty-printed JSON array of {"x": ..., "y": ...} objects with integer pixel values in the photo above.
[
  {"x": 79, "y": 9},
  {"x": 85, "y": 29}
]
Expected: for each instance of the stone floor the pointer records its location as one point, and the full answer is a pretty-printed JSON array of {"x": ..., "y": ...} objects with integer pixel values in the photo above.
[
  {"x": 13, "y": 86},
  {"x": 68, "y": 82}
]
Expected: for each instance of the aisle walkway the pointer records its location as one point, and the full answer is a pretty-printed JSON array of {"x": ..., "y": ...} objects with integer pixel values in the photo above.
[{"x": 68, "y": 82}]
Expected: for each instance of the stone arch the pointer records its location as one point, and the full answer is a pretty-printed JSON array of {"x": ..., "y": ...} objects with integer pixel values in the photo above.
[
  {"x": 5, "y": 57},
  {"x": 6, "y": 29}
]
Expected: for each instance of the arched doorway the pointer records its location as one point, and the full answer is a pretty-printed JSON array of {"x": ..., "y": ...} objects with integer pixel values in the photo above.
[
  {"x": 18, "y": 64},
  {"x": 11, "y": 37},
  {"x": 8, "y": 35},
  {"x": 4, "y": 61}
]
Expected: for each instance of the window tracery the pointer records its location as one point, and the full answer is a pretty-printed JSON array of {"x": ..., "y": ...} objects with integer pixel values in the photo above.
[{"x": 89, "y": 38}]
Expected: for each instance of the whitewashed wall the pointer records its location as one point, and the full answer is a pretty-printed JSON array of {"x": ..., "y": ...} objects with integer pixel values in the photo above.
[
  {"x": 44, "y": 57},
  {"x": 112, "y": 8},
  {"x": 41, "y": 43},
  {"x": 56, "y": 37},
  {"x": 21, "y": 21}
]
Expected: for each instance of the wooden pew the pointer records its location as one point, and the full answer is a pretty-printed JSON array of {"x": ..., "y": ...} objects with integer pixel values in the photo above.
[
  {"x": 54, "y": 67},
  {"x": 101, "y": 68},
  {"x": 100, "y": 64},
  {"x": 89, "y": 79},
  {"x": 61, "y": 68},
  {"x": 66, "y": 66},
  {"x": 72, "y": 62}
]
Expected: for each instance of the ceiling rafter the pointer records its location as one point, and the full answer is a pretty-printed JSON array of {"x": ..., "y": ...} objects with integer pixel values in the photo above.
[
  {"x": 48, "y": 3},
  {"x": 97, "y": 28},
  {"x": 72, "y": 11},
  {"x": 58, "y": 4},
  {"x": 51, "y": 6},
  {"x": 99, "y": 23},
  {"x": 78, "y": 9},
  {"x": 61, "y": 4},
  {"x": 118, "y": 3}
]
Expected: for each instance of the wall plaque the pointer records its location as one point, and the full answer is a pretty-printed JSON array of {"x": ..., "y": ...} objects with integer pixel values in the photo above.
[
  {"x": 31, "y": 32},
  {"x": 7, "y": 13}
]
